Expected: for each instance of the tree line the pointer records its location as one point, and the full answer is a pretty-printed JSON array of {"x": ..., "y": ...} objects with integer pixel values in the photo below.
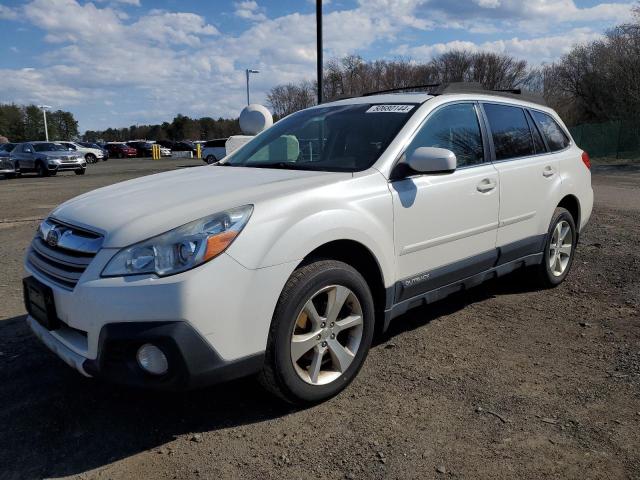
[
  {"x": 180, "y": 128},
  {"x": 595, "y": 82},
  {"x": 20, "y": 123}
]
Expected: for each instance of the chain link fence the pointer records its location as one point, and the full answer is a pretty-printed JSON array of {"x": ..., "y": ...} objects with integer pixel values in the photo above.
[{"x": 618, "y": 139}]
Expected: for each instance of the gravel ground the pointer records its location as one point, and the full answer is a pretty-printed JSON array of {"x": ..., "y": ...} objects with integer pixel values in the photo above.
[{"x": 499, "y": 382}]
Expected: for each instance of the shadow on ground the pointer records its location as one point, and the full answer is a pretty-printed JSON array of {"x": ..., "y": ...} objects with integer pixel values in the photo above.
[{"x": 53, "y": 422}]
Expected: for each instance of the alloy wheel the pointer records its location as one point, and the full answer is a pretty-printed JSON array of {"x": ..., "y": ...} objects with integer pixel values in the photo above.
[
  {"x": 327, "y": 335},
  {"x": 560, "y": 248}
]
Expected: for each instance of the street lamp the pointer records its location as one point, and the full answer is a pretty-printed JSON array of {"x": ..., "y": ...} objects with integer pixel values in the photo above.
[
  {"x": 319, "y": 47},
  {"x": 248, "y": 71},
  {"x": 44, "y": 114}
]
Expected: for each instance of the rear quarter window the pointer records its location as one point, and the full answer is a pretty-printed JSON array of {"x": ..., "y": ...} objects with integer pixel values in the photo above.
[{"x": 555, "y": 136}]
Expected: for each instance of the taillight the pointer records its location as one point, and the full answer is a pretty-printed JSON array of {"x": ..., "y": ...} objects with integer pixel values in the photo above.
[{"x": 586, "y": 160}]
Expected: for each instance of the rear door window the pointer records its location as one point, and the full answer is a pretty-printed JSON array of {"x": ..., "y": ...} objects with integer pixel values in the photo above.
[
  {"x": 510, "y": 131},
  {"x": 555, "y": 136}
]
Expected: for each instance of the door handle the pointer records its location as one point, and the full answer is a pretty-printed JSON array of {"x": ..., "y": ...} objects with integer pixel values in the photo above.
[
  {"x": 486, "y": 185},
  {"x": 548, "y": 171}
]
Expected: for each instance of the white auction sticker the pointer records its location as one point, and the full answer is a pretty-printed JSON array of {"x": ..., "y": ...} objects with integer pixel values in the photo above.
[{"x": 390, "y": 109}]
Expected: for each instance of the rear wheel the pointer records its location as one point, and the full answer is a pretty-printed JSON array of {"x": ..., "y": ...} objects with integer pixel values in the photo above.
[
  {"x": 211, "y": 159},
  {"x": 559, "y": 249},
  {"x": 320, "y": 334}
]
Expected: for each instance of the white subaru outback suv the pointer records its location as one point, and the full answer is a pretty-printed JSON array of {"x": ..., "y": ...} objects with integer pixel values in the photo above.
[{"x": 284, "y": 259}]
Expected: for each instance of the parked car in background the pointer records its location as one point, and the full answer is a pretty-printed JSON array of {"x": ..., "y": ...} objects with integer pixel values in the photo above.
[
  {"x": 184, "y": 146},
  {"x": 214, "y": 150},
  {"x": 143, "y": 148},
  {"x": 91, "y": 155},
  {"x": 121, "y": 150},
  {"x": 166, "y": 143},
  {"x": 105, "y": 152},
  {"x": 7, "y": 165},
  {"x": 47, "y": 158}
]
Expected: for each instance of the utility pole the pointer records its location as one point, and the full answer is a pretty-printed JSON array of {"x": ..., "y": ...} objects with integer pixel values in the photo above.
[
  {"x": 44, "y": 114},
  {"x": 249, "y": 71},
  {"x": 319, "y": 47}
]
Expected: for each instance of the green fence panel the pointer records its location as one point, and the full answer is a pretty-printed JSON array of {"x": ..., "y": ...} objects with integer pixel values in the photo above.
[{"x": 616, "y": 139}]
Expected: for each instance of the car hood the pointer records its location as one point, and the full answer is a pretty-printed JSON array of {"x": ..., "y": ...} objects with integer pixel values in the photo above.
[
  {"x": 135, "y": 210},
  {"x": 58, "y": 154}
]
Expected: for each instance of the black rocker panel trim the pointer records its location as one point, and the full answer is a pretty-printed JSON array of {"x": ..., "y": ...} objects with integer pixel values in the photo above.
[{"x": 437, "y": 284}]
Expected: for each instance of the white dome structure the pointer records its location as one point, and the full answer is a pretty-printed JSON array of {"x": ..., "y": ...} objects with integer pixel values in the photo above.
[{"x": 254, "y": 119}]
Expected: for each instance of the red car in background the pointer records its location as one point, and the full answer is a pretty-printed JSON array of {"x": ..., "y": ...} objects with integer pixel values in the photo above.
[{"x": 120, "y": 150}]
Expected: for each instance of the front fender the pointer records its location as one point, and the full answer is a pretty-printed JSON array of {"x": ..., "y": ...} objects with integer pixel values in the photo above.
[{"x": 288, "y": 229}]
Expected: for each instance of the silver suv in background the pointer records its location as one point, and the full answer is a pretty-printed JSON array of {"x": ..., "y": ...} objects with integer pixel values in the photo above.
[
  {"x": 214, "y": 150},
  {"x": 47, "y": 158},
  {"x": 7, "y": 166}
]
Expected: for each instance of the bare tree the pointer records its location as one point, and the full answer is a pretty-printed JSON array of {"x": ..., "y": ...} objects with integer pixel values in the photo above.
[
  {"x": 598, "y": 81},
  {"x": 352, "y": 76}
]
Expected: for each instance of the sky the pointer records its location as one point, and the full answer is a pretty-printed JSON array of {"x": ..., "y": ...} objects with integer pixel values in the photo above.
[{"x": 116, "y": 63}]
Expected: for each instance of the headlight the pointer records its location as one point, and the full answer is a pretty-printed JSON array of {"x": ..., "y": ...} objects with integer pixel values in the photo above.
[
  {"x": 182, "y": 248},
  {"x": 53, "y": 159}
]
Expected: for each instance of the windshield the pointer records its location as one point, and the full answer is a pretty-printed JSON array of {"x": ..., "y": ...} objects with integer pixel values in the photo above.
[
  {"x": 347, "y": 138},
  {"x": 48, "y": 147}
]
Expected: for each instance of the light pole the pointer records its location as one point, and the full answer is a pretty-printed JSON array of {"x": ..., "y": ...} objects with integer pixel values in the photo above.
[
  {"x": 248, "y": 71},
  {"x": 44, "y": 114},
  {"x": 319, "y": 47}
]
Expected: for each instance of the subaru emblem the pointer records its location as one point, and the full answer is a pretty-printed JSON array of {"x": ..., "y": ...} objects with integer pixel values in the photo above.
[{"x": 53, "y": 237}]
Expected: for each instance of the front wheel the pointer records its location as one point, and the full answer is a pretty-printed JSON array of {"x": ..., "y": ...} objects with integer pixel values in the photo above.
[
  {"x": 211, "y": 159},
  {"x": 320, "y": 334},
  {"x": 43, "y": 171},
  {"x": 91, "y": 158},
  {"x": 559, "y": 249},
  {"x": 80, "y": 171}
]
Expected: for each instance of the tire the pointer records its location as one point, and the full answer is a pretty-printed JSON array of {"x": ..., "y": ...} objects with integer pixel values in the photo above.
[
  {"x": 42, "y": 170},
  {"x": 556, "y": 262},
  {"x": 211, "y": 159},
  {"x": 91, "y": 158},
  {"x": 297, "y": 382},
  {"x": 80, "y": 171},
  {"x": 120, "y": 155}
]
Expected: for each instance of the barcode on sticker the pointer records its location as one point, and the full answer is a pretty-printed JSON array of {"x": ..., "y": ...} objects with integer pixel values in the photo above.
[{"x": 390, "y": 109}]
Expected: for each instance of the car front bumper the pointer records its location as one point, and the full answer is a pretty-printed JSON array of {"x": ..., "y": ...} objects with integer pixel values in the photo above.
[
  {"x": 7, "y": 166},
  {"x": 211, "y": 322},
  {"x": 61, "y": 167},
  {"x": 192, "y": 361}
]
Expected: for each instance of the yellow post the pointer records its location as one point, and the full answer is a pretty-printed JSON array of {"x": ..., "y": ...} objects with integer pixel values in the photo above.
[
  {"x": 199, "y": 150},
  {"x": 155, "y": 151}
]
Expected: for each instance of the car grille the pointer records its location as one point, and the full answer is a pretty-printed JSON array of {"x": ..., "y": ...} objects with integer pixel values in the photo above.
[{"x": 62, "y": 252}]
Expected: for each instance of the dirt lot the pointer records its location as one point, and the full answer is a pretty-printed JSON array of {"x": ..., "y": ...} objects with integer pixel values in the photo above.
[{"x": 501, "y": 382}]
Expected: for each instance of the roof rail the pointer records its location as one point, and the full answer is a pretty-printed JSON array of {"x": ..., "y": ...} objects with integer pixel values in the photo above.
[
  {"x": 468, "y": 87},
  {"x": 400, "y": 89}
]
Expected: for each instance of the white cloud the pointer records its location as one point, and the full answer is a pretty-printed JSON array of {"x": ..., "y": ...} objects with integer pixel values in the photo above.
[
  {"x": 8, "y": 13},
  {"x": 535, "y": 50},
  {"x": 249, "y": 10}
]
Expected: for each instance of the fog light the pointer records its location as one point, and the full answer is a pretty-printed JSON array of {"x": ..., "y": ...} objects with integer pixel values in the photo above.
[{"x": 152, "y": 360}]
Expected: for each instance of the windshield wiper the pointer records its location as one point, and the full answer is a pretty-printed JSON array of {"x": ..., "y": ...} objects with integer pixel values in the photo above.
[{"x": 282, "y": 165}]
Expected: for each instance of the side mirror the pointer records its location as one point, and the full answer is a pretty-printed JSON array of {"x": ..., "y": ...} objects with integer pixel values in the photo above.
[{"x": 432, "y": 160}]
